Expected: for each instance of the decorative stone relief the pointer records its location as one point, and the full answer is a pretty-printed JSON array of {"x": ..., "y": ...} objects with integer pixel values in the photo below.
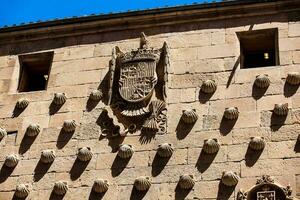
[
  {"x": 60, "y": 188},
  {"x": 231, "y": 113},
  {"x": 142, "y": 183},
  {"x": 165, "y": 150},
  {"x": 47, "y": 156},
  {"x": 59, "y": 98},
  {"x": 84, "y": 154},
  {"x": 281, "y": 109},
  {"x": 134, "y": 77},
  {"x": 33, "y": 130},
  {"x": 211, "y": 146},
  {"x": 230, "y": 178},
  {"x": 96, "y": 95},
  {"x": 257, "y": 143},
  {"x": 69, "y": 125},
  {"x": 262, "y": 81},
  {"x": 189, "y": 116},
  {"x": 22, "y": 191},
  {"x": 125, "y": 151},
  {"x": 11, "y": 160},
  {"x": 293, "y": 78},
  {"x": 3, "y": 133},
  {"x": 100, "y": 186},
  {"x": 186, "y": 181},
  {"x": 209, "y": 86},
  {"x": 22, "y": 103},
  {"x": 266, "y": 189}
]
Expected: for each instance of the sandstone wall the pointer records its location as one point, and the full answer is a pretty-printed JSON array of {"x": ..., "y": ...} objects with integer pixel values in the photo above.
[{"x": 208, "y": 50}]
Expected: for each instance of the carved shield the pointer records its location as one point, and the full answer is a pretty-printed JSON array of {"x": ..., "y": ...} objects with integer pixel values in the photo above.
[{"x": 137, "y": 80}]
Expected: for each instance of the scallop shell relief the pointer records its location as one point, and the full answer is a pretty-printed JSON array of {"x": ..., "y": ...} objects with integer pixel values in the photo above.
[
  {"x": 211, "y": 146},
  {"x": 125, "y": 151},
  {"x": 22, "y": 103},
  {"x": 100, "y": 186},
  {"x": 257, "y": 143},
  {"x": 293, "y": 78},
  {"x": 85, "y": 154},
  {"x": 189, "y": 116},
  {"x": 262, "y": 81},
  {"x": 11, "y": 160},
  {"x": 281, "y": 109},
  {"x": 22, "y": 191},
  {"x": 165, "y": 150},
  {"x": 69, "y": 125},
  {"x": 47, "y": 156},
  {"x": 209, "y": 86},
  {"x": 142, "y": 183},
  {"x": 3, "y": 133},
  {"x": 60, "y": 188},
  {"x": 230, "y": 178},
  {"x": 59, "y": 98},
  {"x": 186, "y": 181},
  {"x": 33, "y": 130},
  {"x": 96, "y": 95},
  {"x": 231, "y": 113}
]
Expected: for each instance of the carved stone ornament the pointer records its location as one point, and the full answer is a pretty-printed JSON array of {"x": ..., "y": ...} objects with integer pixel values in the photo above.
[
  {"x": 84, "y": 154},
  {"x": 211, "y": 146},
  {"x": 125, "y": 151},
  {"x": 230, "y": 178},
  {"x": 266, "y": 189},
  {"x": 142, "y": 183},
  {"x": 262, "y": 81},
  {"x": 209, "y": 86},
  {"x": 47, "y": 156},
  {"x": 69, "y": 125},
  {"x": 293, "y": 78},
  {"x": 96, "y": 95},
  {"x": 60, "y": 188},
  {"x": 33, "y": 130},
  {"x": 3, "y": 133},
  {"x": 100, "y": 186},
  {"x": 165, "y": 150},
  {"x": 257, "y": 143},
  {"x": 11, "y": 160},
  {"x": 281, "y": 109},
  {"x": 133, "y": 79},
  {"x": 22, "y": 103},
  {"x": 22, "y": 191},
  {"x": 231, "y": 113},
  {"x": 59, "y": 98},
  {"x": 186, "y": 181},
  {"x": 189, "y": 116}
]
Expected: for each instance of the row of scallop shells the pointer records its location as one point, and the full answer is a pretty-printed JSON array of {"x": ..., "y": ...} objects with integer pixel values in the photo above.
[{"x": 60, "y": 99}]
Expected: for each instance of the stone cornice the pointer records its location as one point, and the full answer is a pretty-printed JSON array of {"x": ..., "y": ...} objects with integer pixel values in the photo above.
[{"x": 146, "y": 19}]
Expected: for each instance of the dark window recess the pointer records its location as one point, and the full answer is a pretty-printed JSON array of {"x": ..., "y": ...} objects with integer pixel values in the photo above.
[
  {"x": 259, "y": 48},
  {"x": 34, "y": 72}
]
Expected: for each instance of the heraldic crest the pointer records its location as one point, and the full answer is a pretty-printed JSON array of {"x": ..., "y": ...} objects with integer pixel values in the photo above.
[{"x": 137, "y": 87}]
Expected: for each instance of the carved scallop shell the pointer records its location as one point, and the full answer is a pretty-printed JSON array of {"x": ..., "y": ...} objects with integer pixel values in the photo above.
[
  {"x": 33, "y": 130},
  {"x": 281, "y": 109},
  {"x": 230, "y": 178},
  {"x": 231, "y": 113},
  {"x": 69, "y": 125},
  {"x": 125, "y": 151},
  {"x": 60, "y": 188},
  {"x": 11, "y": 160},
  {"x": 189, "y": 116},
  {"x": 96, "y": 95},
  {"x": 262, "y": 81},
  {"x": 47, "y": 156},
  {"x": 142, "y": 183},
  {"x": 293, "y": 78},
  {"x": 165, "y": 150},
  {"x": 211, "y": 146},
  {"x": 22, "y": 103},
  {"x": 22, "y": 191},
  {"x": 84, "y": 154},
  {"x": 257, "y": 143},
  {"x": 209, "y": 86},
  {"x": 3, "y": 133},
  {"x": 100, "y": 186},
  {"x": 59, "y": 98},
  {"x": 186, "y": 181}
]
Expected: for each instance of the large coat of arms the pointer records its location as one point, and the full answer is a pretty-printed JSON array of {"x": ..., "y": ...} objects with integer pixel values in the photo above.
[{"x": 137, "y": 88}]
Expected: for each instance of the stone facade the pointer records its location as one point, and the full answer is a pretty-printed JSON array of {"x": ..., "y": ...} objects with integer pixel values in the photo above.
[{"x": 199, "y": 50}]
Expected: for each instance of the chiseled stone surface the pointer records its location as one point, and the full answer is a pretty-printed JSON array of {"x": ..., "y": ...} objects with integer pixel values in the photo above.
[{"x": 198, "y": 52}]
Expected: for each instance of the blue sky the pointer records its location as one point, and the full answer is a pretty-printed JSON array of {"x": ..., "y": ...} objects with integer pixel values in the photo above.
[{"x": 19, "y": 11}]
